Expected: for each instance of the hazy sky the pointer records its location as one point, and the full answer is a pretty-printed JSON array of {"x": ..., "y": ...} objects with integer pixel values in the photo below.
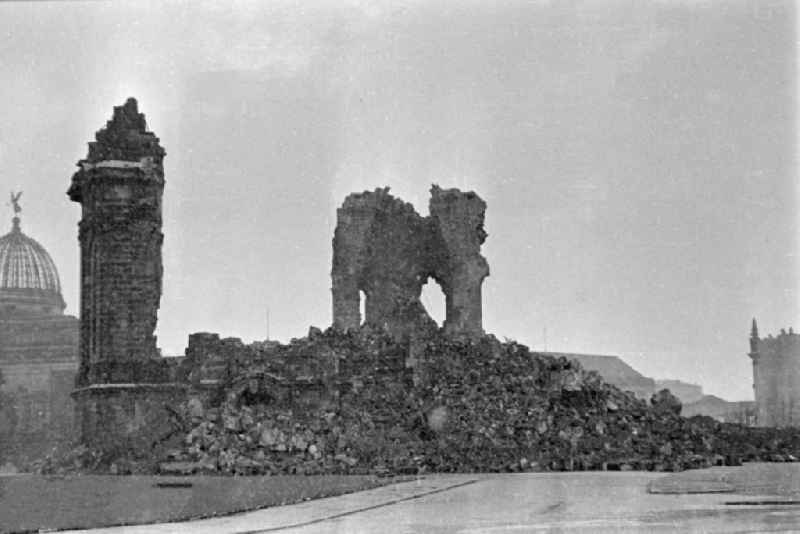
[{"x": 638, "y": 159}]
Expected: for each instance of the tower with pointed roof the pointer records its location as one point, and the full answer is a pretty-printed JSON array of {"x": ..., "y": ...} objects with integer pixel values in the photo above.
[{"x": 119, "y": 186}]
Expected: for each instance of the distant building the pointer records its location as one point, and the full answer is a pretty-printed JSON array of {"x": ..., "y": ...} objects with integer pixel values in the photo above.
[
  {"x": 741, "y": 412},
  {"x": 686, "y": 392},
  {"x": 38, "y": 347},
  {"x": 776, "y": 377},
  {"x": 614, "y": 371}
]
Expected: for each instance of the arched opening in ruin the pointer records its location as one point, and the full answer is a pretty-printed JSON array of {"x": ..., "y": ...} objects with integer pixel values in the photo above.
[
  {"x": 362, "y": 306},
  {"x": 433, "y": 299}
]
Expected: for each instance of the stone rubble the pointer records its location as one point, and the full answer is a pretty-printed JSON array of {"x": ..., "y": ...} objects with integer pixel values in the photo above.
[
  {"x": 348, "y": 403},
  {"x": 469, "y": 405}
]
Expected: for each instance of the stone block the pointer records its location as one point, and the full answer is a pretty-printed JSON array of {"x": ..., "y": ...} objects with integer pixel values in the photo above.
[{"x": 117, "y": 418}]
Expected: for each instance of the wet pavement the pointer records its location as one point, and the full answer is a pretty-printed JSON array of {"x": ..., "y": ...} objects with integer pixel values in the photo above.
[
  {"x": 779, "y": 479},
  {"x": 538, "y": 502}
]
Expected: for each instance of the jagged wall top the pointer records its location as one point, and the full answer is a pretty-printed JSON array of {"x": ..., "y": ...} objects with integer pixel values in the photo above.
[
  {"x": 466, "y": 209},
  {"x": 379, "y": 199},
  {"x": 124, "y": 149},
  {"x": 125, "y": 138},
  {"x": 384, "y": 248}
]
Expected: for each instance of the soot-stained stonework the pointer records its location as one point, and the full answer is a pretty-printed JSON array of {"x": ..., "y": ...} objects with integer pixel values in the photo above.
[
  {"x": 124, "y": 387},
  {"x": 119, "y": 186},
  {"x": 385, "y": 249}
]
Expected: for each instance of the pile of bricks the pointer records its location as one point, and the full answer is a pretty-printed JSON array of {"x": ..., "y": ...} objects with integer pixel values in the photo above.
[
  {"x": 468, "y": 405},
  {"x": 337, "y": 402}
]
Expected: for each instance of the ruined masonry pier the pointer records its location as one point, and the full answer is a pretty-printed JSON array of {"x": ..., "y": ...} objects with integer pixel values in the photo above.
[{"x": 122, "y": 386}]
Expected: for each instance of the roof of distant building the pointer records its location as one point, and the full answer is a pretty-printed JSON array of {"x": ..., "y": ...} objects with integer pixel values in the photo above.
[
  {"x": 611, "y": 368},
  {"x": 29, "y": 280}
]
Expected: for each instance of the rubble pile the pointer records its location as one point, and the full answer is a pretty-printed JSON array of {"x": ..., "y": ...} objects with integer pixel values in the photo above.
[{"x": 468, "y": 405}]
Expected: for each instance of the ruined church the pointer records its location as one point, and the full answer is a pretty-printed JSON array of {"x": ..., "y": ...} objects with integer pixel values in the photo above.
[
  {"x": 375, "y": 380},
  {"x": 381, "y": 247}
]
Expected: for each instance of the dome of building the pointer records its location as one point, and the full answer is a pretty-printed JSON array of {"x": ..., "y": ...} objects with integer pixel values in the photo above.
[{"x": 29, "y": 283}]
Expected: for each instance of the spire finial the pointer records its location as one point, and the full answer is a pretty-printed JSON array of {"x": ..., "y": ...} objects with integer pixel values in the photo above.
[
  {"x": 17, "y": 210},
  {"x": 754, "y": 341}
]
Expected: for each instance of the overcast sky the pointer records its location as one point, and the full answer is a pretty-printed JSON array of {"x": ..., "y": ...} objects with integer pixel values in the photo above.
[{"x": 638, "y": 159}]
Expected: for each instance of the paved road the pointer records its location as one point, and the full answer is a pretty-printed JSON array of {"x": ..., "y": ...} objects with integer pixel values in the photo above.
[
  {"x": 509, "y": 504},
  {"x": 780, "y": 479}
]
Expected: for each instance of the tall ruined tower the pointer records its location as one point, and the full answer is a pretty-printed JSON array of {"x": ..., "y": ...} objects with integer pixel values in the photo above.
[{"x": 119, "y": 186}]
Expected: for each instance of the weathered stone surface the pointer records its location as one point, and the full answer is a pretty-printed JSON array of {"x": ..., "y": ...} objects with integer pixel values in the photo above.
[
  {"x": 123, "y": 390},
  {"x": 119, "y": 186},
  {"x": 478, "y": 405},
  {"x": 125, "y": 138},
  {"x": 663, "y": 401},
  {"x": 460, "y": 268},
  {"x": 128, "y": 418},
  {"x": 384, "y": 249}
]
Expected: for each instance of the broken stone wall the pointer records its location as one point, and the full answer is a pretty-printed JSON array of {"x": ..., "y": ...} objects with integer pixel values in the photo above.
[
  {"x": 303, "y": 372},
  {"x": 128, "y": 418},
  {"x": 381, "y": 247},
  {"x": 458, "y": 218},
  {"x": 385, "y": 249}
]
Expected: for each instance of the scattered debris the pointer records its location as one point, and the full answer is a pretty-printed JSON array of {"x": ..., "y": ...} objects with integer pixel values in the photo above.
[{"x": 468, "y": 405}]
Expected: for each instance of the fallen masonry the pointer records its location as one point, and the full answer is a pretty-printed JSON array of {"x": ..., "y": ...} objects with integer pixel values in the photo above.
[
  {"x": 383, "y": 248},
  {"x": 470, "y": 405},
  {"x": 395, "y": 393}
]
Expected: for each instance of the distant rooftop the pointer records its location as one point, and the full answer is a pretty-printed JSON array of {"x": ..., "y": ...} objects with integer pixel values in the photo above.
[{"x": 612, "y": 368}]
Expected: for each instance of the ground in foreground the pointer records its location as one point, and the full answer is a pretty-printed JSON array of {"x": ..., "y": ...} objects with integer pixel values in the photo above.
[
  {"x": 30, "y": 503},
  {"x": 526, "y": 502}
]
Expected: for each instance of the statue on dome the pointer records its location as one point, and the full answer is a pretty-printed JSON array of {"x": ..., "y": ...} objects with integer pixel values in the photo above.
[{"x": 15, "y": 201}]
